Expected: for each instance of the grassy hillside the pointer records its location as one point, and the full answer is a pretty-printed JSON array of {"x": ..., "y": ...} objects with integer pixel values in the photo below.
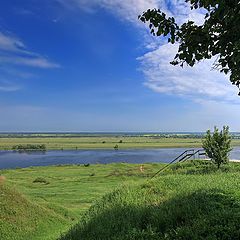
[
  {"x": 188, "y": 198},
  {"x": 173, "y": 206},
  {"x": 74, "y": 187},
  {"x": 22, "y": 219},
  {"x": 58, "y": 191}
]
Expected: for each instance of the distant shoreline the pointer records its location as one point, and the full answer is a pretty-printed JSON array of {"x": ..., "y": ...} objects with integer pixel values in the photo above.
[{"x": 107, "y": 142}]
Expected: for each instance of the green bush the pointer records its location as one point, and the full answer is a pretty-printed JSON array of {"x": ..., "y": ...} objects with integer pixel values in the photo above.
[
  {"x": 218, "y": 145},
  {"x": 41, "y": 180},
  {"x": 29, "y": 147}
]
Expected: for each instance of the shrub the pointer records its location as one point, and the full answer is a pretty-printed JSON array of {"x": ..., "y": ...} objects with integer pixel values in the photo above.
[
  {"x": 218, "y": 145},
  {"x": 40, "y": 180},
  {"x": 27, "y": 147}
]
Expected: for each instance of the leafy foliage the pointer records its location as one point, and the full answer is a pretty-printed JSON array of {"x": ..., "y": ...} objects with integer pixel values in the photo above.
[
  {"x": 218, "y": 36},
  {"x": 27, "y": 147},
  {"x": 218, "y": 145}
]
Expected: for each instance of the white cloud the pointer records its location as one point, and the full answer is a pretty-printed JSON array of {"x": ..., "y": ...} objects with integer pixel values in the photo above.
[
  {"x": 130, "y": 9},
  {"x": 125, "y": 9},
  {"x": 38, "y": 62},
  {"x": 199, "y": 82},
  {"x": 8, "y": 88},
  {"x": 9, "y": 43},
  {"x": 14, "y": 51}
]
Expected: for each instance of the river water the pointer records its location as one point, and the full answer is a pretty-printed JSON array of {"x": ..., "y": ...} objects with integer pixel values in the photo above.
[{"x": 11, "y": 159}]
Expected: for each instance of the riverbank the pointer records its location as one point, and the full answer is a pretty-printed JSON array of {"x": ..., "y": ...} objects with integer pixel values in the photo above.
[{"x": 105, "y": 142}]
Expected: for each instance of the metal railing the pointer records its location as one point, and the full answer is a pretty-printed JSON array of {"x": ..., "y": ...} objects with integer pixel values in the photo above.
[{"x": 183, "y": 157}]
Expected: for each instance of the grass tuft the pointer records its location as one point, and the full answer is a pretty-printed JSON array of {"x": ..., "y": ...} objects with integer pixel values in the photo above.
[{"x": 41, "y": 180}]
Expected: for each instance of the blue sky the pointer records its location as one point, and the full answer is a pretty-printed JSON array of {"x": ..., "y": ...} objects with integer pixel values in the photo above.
[{"x": 78, "y": 65}]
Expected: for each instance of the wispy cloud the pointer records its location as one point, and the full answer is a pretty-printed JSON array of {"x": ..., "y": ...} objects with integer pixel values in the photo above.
[
  {"x": 196, "y": 82},
  {"x": 199, "y": 82},
  {"x": 6, "y": 86},
  {"x": 39, "y": 62},
  {"x": 8, "y": 43},
  {"x": 14, "y": 54},
  {"x": 14, "y": 51},
  {"x": 125, "y": 9}
]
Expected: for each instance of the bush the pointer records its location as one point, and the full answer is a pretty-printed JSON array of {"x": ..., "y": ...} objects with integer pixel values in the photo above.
[
  {"x": 218, "y": 145},
  {"x": 29, "y": 147},
  {"x": 40, "y": 180}
]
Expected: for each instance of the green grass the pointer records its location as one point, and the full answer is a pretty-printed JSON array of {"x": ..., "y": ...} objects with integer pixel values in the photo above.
[
  {"x": 104, "y": 142},
  {"x": 100, "y": 142},
  {"x": 172, "y": 206},
  {"x": 23, "y": 219},
  {"x": 66, "y": 191},
  {"x": 134, "y": 207},
  {"x": 74, "y": 187}
]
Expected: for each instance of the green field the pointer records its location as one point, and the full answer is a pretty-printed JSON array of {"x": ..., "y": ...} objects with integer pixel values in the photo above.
[
  {"x": 69, "y": 190},
  {"x": 105, "y": 142},
  {"x": 47, "y": 201}
]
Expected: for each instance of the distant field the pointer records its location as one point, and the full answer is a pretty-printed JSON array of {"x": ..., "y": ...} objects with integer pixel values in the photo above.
[{"x": 104, "y": 142}]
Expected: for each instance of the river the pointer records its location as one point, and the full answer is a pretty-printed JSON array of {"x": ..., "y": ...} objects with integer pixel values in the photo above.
[{"x": 11, "y": 159}]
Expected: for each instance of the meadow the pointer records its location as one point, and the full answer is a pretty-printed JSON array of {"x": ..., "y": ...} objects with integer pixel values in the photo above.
[
  {"x": 65, "y": 192},
  {"x": 104, "y": 142},
  {"x": 119, "y": 201}
]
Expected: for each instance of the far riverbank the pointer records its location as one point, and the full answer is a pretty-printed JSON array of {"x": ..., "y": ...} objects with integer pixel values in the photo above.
[{"x": 106, "y": 142}]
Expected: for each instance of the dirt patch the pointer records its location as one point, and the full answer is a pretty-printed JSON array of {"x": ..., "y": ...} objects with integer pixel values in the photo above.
[{"x": 2, "y": 179}]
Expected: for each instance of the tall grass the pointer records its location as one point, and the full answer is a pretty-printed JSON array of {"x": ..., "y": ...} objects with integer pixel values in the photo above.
[{"x": 170, "y": 207}]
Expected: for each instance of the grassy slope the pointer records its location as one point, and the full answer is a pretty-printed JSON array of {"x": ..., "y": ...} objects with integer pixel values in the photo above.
[
  {"x": 69, "y": 192},
  {"x": 110, "y": 142},
  {"x": 22, "y": 219},
  {"x": 75, "y": 187},
  {"x": 72, "y": 189},
  {"x": 173, "y": 206}
]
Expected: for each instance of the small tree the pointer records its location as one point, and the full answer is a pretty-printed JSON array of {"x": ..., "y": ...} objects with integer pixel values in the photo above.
[{"x": 218, "y": 145}]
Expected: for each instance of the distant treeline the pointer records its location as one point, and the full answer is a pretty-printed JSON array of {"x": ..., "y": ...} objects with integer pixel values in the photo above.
[
  {"x": 177, "y": 136},
  {"x": 30, "y": 147},
  {"x": 103, "y": 135}
]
